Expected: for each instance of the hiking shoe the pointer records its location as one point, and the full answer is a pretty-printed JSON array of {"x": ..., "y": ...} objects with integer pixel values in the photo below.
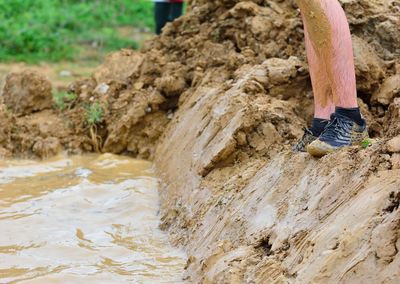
[
  {"x": 301, "y": 145},
  {"x": 340, "y": 132}
]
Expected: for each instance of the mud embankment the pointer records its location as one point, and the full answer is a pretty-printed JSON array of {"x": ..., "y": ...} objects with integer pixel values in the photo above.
[
  {"x": 275, "y": 217},
  {"x": 250, "y": 211},
  {"x": 216, "y": 102}
]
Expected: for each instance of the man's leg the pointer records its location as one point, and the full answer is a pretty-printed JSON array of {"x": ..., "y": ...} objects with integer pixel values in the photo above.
[
  {"x": 329, "y": 34},
  {"x": 330, "y": 55},
  {"x": 320, "y": 82},
  {"x": 176, "y": 11},
  {"x": 161, "y": 15},
  {"x": 321, "y": 91}
]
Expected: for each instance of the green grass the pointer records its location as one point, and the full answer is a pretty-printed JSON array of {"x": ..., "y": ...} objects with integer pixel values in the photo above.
[{"x": 54, "y": 30}]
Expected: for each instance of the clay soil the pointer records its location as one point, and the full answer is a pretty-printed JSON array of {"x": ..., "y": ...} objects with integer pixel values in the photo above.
[{"x": 216, "y": 102}]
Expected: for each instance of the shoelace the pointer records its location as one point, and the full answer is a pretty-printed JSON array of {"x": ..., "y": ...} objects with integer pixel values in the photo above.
[
  {"x": 306, "y": 133},
  {"x": 301, "y": 144},
  {"x": 335, "y": 126}
]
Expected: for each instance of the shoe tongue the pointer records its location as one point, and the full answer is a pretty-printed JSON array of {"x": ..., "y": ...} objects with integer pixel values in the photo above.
[{"x": 339, "y": 116}]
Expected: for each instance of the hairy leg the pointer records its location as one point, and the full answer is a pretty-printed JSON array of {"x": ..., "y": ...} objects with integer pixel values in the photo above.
[
  {"x": 320, "y": 82},
  {"x": 330, "y": 54}
]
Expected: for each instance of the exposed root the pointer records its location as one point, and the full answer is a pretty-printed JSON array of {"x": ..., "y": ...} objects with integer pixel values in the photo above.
[{"x": 97, "y": 141}]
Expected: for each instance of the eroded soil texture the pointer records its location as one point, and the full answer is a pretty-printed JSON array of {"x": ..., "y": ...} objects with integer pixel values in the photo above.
[{"x": 216, "y": 102}]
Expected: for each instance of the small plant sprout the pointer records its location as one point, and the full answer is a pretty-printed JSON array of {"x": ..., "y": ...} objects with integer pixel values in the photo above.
[
  {"x": 94, "y": 114},
  {"x": 62, "y": 100},
  {"x": 366, "y": 143}
]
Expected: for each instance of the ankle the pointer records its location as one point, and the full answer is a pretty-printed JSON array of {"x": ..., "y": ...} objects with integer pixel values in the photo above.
[
  {"x": 352, "y": 113},
  {"x": 318, "y": 125}
]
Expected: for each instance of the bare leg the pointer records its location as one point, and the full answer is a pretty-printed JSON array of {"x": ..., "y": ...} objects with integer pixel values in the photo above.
[
  {"x": 330, "y": 55},
  {"x": 320, "y": 82}
]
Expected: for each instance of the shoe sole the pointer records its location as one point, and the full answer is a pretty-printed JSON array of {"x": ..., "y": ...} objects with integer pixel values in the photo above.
[
  {"x": 319, "y": 152},
  {"x": 319, "y": 149}
]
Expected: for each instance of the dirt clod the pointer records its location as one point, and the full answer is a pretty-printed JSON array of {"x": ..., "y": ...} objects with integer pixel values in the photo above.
[
  {"x": 27, "y": 92},
  {"x": 47, "y": 147},
  {"x": 393, "y": 145}
]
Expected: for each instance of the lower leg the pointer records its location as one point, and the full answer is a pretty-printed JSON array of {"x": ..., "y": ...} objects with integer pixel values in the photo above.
[
  {"x": 320, "y": 82},
  {"x": 176, "y": 11},
  {"x": 321, "y": 89},
  {"x": 328, "y": 34},
  {"x": 161, "y": 14}
]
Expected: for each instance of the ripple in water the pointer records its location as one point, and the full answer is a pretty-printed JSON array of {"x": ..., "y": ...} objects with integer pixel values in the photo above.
[{"x": 84, "y": 219}]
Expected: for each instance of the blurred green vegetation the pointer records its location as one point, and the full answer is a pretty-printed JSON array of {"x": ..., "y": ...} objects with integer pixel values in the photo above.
[
  {"x": 62, "y": 99},
  {"x": 54, "y": 30}
]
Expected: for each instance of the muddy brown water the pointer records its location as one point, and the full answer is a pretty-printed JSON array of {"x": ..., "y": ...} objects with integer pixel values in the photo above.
[{"x": 84, "y": 219}]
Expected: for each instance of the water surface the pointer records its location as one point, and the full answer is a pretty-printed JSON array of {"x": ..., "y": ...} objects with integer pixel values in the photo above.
[{"x": 86, "y": 219}]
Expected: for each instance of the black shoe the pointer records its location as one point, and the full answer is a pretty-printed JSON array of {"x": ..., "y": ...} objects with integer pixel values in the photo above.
[
  {"x": 301, "y": 145},
  {"x": 340, "y": 132}
]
